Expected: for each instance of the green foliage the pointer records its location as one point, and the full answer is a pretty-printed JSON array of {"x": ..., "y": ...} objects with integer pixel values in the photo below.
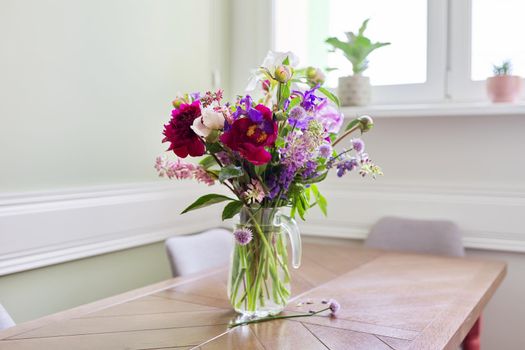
[
  {"x": 504, "y": 69},
  {"x": 231, "y": 209},
  {"x": 357, "y": 48},
  {"x": 300, "y": 198},
  {"x": 207, "y": 200},
  {"x": 330, "y": 95},
  {"x": 207, "y": 162},
  {"x": 230, "y": 172}
]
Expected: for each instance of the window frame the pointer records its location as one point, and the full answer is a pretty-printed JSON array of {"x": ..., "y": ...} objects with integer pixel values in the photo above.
[{"x": 433, "y": 89}]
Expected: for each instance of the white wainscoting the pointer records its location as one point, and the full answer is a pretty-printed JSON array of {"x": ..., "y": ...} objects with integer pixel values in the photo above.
[
  {"x": 39, "y": 229},
  {"x": 489, "y": 217}
]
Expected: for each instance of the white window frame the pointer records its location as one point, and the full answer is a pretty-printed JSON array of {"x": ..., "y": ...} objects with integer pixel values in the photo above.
[
  {"x": 433, "y": 89},
  {"x": 449, "y": 51}
]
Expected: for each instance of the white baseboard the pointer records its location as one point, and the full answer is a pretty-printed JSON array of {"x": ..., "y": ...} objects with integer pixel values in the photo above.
[{"x": 40, "y": 229}]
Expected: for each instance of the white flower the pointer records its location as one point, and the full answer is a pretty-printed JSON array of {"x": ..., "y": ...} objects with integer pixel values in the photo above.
[
  {"x": 271, "y": 62},
  {"x": 275, "y": 59},
  {"x": 209, "y": 120}
]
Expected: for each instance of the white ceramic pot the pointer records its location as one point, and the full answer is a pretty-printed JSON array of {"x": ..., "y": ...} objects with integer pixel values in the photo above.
[{"x": 354, "y": 90}]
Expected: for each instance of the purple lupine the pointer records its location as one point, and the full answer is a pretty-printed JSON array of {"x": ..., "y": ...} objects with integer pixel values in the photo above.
[{"x": 310, "y": 170}]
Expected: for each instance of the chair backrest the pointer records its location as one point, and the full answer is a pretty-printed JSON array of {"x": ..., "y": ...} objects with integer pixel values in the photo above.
[
  {"x": 194, "y": 253},
  {"x": 5, "y": 320},
  {"x": 440, "y": 237}
]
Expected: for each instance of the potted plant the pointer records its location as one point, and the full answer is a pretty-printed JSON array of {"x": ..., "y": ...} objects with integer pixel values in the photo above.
[
  {"x": 503, "y": 86},
  {"x": 354, "y": 90}
]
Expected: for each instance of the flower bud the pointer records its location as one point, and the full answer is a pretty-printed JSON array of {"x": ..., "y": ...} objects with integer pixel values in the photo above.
[
  {"x": 315, "y": 76},
  {"x": 266, "y": 85},
  {"x": 283, "y": 73},
  {"x": 213, "y": 136},
  {"x": 177, "y": 102},
  {"x": 365, "y": 123},
  {"x": 279, "y": 115}
]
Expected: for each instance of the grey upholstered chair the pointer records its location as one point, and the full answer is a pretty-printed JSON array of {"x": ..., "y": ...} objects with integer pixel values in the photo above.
[
  {"x": 194, "y": 253},
  {"x": 5, "y": 320},
  {"x": 438, "y": 237}
]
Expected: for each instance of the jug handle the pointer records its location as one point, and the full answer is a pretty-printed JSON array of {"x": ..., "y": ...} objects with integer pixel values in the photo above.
[{"x": 291, "y": 227}]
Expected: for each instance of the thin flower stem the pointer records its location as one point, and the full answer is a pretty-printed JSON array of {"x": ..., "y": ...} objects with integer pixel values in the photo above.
[
  {"x": 348, "y": 132},
  {"x": 271, "y": 318}
]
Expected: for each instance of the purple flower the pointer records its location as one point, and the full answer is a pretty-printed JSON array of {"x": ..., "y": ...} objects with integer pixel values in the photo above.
[
  {"x": 299, "y": 118},
  {"x": 195, "y": 95},
  {"x": 310, "y": 101},
  {"x": 244, "y": 108},
  {"x": 329, "y": 117},
  {"x": 334, "y": 306},
  {"x": 346, "y": 165},
  {"x": 243, "y": 236},
  {"x": 325, "y": 150},
  {"x": 358, "y": 145},
  {"x": 310, "y": 170}
]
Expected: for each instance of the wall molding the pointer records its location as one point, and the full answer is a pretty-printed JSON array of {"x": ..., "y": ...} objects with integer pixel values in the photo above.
[{"x": 43, "y": 228}]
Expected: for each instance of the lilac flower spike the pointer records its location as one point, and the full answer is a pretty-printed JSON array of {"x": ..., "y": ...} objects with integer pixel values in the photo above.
[
  {"x": 334, "y": 306},
  {"x": 243, "y": 236}
]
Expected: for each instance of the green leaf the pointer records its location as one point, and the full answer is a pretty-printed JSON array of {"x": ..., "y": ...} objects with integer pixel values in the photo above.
[
  {"x": 207, "y": 200},
  {"x": 352, "y": 124},
  {"x": 213, "y": 147},
  {"x": 230, "y": 172},
  {"x": 285, "y": 92},
  {"x": 320, "y": 200},
  {"x": 231, "y": 209},
  {"x": 207, "y": 162},
  {"x": 286, "y": 61},
  {"x": 330, "y": 95},
  {"x": 316, "y": 179},
  {"x": 294, "y": 102}
]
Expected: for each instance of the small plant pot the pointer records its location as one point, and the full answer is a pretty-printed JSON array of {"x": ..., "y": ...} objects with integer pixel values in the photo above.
[
  {"x": 354, "y": 90},
  {"x": 504, "y": 88}
]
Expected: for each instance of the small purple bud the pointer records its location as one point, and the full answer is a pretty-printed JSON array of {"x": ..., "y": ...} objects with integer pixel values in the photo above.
[{"x": 358, "y": 145}]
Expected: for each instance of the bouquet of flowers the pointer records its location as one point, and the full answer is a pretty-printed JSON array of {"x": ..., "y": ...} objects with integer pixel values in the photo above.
[{"x": 269, "y": 148}]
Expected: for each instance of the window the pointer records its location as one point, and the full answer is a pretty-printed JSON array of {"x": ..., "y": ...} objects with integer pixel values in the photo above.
[
  {"x": 321, "y": 19},
  {"x": 441, "y": 49},
  {"x": 502, "y": 39}
]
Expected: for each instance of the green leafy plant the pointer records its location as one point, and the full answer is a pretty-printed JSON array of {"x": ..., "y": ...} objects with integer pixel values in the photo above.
[
  {"x": 504, "y": 69},
  {"x": 357, "y": 48}
]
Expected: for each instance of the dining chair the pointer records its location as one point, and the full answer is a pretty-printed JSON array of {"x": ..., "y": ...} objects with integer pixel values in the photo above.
[
  {"x": 440, "y": 237},
  {"x": 193, "y": 253},
  {"x": 5, "y": 320}
]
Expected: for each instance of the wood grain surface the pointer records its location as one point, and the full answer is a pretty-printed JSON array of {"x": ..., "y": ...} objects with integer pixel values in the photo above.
[{"x": 389, "y": 301}]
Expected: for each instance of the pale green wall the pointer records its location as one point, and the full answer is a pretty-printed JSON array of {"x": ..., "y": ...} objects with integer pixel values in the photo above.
[
  {"x": 31, "y": 294},
  {"x": 86, "y": 85}
]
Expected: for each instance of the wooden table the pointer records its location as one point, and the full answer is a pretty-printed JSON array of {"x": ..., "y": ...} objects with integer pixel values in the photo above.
[{"x": 389, "y": 301}]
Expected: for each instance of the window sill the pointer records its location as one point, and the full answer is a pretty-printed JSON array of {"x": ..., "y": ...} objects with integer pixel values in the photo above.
[{"x": 437, "y": 110}]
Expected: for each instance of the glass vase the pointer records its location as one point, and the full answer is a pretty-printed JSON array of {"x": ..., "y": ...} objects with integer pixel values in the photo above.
[{"x": 259, "y": 279}]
